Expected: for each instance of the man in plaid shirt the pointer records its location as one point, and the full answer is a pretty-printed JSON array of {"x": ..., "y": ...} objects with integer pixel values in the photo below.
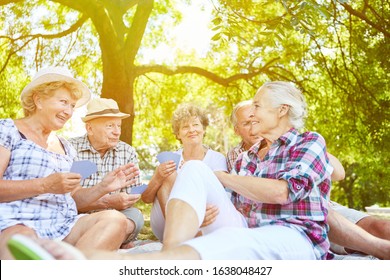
[
  {"x": 241, "y": 118},
  {"x": 102, "y": 146}
]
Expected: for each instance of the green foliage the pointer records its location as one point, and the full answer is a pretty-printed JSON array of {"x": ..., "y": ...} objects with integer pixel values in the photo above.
[
  {"x": 12, "y": 77},
  {"x": 337, "y": 59}
]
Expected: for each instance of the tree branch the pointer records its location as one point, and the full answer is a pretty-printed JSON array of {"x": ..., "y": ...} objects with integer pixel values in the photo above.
[
  {"x": 366, "y": 19},
  {"x": 76, "y": 5},
  {"x": 11, "y": 54},
  {"x": 137, "y": 29},
  {"x": 66, "y": 32},
  {"x": 123, "y": 5},
  {"x": 170, "y": 71}
]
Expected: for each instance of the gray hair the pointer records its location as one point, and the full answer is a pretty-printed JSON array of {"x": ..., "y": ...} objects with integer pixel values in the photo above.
[
  {"x": 233, "y": 116},
  {"x": 284, "y": 93}
]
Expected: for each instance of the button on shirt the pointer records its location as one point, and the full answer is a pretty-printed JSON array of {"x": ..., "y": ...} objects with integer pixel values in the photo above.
[
  {"x": 121, "y": 154},
  {"x": 301, "y": 160}
]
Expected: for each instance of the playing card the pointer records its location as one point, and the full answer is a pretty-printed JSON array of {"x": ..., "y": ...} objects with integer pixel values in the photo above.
[
  {"x": 84, "y": 167},
  {"x": 139, "y": 189},
  {"x": 165, "y": 156}
]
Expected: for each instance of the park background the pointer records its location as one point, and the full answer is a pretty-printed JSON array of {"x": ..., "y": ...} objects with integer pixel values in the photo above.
[{"x": 151, "y": 55}]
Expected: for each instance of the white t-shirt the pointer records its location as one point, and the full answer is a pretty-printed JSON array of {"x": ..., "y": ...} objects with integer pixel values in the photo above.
[{"x": 215, "y": 160}]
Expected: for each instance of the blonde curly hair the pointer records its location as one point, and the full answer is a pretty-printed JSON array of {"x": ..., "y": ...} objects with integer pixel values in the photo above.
[
  {"x": 183, "y": 114},
  {"x": 46, "y": 90}
]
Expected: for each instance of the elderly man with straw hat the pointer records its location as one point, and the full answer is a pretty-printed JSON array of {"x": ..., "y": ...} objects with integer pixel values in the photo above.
[{"x": 102, "y": 146}]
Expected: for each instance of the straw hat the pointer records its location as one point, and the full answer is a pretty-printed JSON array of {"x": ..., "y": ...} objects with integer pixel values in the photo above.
[
  {"x": 103, "y": 107},
  {"x": 54, "y": 74}
]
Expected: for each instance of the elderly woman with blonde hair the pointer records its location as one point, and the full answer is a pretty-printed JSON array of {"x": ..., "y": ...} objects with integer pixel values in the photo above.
[{"x": 189, "y": 123}]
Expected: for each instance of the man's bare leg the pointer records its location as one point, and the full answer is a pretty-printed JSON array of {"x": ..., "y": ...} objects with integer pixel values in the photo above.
[
  {"x": 347, "y": 234},
  {"x": 380, "y": 227},
  {"x": 61, "y": 252}
]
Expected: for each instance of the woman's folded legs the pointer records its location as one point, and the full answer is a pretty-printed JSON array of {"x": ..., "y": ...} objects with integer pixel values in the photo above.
[{"x": 194, "y": 188}]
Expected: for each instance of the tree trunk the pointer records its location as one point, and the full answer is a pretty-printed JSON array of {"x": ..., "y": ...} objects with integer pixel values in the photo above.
[{"x": 118, "y": 85}]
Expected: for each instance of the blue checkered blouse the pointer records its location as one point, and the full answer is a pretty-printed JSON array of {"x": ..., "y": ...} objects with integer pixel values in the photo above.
[{"x": 50, "y": 215}]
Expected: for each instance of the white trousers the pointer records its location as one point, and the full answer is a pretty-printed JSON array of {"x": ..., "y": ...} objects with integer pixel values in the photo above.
[
  {"x": 229, "y": 237},
  {"x": 197, "y": 185},
  {"x": 271, "y": 242},
  {"x": 211, "y": 191}
]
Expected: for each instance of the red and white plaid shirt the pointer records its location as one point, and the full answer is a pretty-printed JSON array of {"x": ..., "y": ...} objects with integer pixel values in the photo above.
[{"x": 301, "y": 160}]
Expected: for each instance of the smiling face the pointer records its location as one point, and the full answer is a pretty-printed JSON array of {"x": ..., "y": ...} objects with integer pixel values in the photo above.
[
  {"x": 55, "y": 109},
  {"x": 103, "y": 133},
  {"x": 267, "y": 118},
  {"x": 244, "y": 117},
  {"x": 191, "y": 131}
]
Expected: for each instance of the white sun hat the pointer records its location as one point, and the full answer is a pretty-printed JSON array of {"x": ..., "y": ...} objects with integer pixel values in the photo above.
[
  {"x": 103, "y": 107},
  {"x": 54, "y": 74}
]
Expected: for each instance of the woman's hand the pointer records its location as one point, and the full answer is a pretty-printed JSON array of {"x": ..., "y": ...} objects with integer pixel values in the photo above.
[
  {"x": 210, "y": 216},
  {"x": 60, "y": 183},
  {"x": 165, "y": 169}
]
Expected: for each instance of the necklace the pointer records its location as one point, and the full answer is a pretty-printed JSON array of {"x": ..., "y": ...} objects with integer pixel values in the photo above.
[{"x": 196, "y": 157}]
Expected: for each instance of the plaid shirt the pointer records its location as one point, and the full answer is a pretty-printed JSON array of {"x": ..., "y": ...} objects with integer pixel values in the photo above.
[
  {"x": 121, "y": 154},
  {"x": 233, "y": 154},
  {"x": 301, "y": 160}
]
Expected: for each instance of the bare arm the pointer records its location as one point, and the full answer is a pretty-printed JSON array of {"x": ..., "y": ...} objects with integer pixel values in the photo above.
[
  {"x": 338, "y": 173},
  {"x": 154, "y": 185},
  {"x": 117, "y": 201},
  {"x": 11, "y": 190},
  {"x": 258, "y": 189},
  {"x": 115, "y": 180},
  {"x": 163, "y": 171}
]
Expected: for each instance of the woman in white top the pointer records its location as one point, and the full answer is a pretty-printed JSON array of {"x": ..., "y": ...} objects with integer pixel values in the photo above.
[{"x": 189, "y": 124}]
